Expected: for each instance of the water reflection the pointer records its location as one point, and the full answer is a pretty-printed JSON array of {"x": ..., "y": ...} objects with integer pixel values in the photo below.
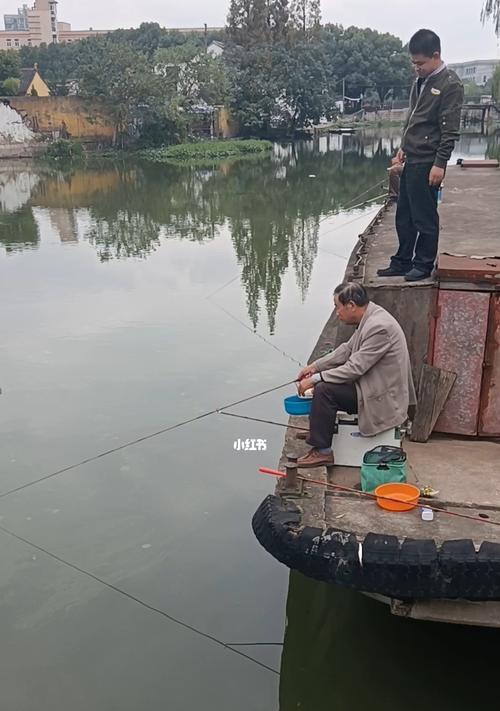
[
  {"x": 343, "y": 650},
  {"x": 18, "y": 230},
  {"x": 272, "y": 207}
]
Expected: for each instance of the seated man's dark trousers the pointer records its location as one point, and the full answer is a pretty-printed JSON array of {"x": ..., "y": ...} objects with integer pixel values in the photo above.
[
  {"x": 328, "y": 399},
  {"x": 417, "y": 220}
]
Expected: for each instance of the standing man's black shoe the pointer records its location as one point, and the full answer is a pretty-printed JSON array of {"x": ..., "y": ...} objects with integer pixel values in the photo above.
[
  {"x": 416, "y": 275},
  {"x": 391, "y": 272}
]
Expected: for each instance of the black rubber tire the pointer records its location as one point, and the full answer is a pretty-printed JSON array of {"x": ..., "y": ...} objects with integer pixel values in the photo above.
[{"x": 414, "y": 569}]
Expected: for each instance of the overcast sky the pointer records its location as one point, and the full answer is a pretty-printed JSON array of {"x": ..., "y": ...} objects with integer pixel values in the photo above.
[{"x": 456, "y": 21}]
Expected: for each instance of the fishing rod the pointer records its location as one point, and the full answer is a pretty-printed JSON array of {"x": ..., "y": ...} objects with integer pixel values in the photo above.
[
  {"x": 266, "y": 422},
  {"x": 282, "y": 475}
]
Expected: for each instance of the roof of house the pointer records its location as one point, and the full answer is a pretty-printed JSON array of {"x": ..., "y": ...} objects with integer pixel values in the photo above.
[
  {"x": 217, "y": 43},
  {"x": 27, "y": 76}
]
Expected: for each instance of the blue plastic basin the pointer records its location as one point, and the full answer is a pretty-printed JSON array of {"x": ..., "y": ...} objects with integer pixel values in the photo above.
[{"x": 295, "y": 405}]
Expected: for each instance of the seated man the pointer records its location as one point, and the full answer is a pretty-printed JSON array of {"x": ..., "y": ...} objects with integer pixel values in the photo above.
[{"x": 369, "y": 375}]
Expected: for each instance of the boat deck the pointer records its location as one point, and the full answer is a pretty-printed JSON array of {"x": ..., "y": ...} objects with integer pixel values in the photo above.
[
  {"x": 470, "y": 219},
  {"x": 465, "y": 471},
  {"x": 325, "y": 532}
]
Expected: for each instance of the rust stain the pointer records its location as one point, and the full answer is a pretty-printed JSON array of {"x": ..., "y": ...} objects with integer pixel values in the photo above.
[
  {"x": 459, "y": 347},
  {"x": 489, "y": 423}
]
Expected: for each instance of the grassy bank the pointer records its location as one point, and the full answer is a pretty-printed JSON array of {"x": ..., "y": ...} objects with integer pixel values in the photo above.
[{"x": 205, "y": 151}]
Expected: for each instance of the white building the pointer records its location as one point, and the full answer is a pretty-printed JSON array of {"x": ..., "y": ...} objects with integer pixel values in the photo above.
[
  {"x": 216, "y": 49},
  {"x": 479, "y": 71}
]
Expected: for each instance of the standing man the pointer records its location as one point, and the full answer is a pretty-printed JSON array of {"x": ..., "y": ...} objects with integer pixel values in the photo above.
[
  {"x": 370, "y": 375},
  {"x": 429, "y": 135}
]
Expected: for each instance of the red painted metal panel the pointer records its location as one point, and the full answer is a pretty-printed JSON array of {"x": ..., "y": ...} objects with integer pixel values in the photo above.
[
  {"x": 489, "y": 421},
  {"x": 459, "y": 346},
  {"x": 482, "y": 270}
]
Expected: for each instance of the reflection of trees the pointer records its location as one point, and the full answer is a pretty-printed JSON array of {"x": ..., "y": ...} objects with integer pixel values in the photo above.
[
  {"x": 130, "y": 234},
  {"x": 493, "y": 146},
  {"x": 304, "y": 249},
  {"x": 18, "y": 230},
  {"x": 272, "y": 207}
]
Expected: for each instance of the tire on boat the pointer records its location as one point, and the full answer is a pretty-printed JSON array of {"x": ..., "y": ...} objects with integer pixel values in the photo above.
[{"x": 408, "y": 570}]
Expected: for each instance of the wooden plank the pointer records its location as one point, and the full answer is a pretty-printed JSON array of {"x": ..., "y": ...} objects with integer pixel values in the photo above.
[{"x": 434, "y": 389}]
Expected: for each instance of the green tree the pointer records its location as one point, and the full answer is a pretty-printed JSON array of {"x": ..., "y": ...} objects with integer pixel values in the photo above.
[
  {"x": 491, "y": 10},
  {"x": 249, "y": 22},
  {"x": 495, "y": 85},
  {"x": 471, "y": 89},
  {"x": 308, "y": 90},
  {"x": 9, "y": 64},
  {"x": 58, "y": 63},
  {"x": 10, "y": 86},
  {"x": 279, "y": 19},
  {"x": 128, "y": 83},
  {"x": 146, "y": 38},
  {"x": 368, "y": 59},
  {"x": 254, "y": 88},
  {"x": 192, "y": 75},
  {"x": 305, "y": 14}
]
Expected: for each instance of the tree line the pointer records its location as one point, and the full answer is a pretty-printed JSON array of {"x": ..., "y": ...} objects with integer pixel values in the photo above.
[{"x": 281, "y": 70}]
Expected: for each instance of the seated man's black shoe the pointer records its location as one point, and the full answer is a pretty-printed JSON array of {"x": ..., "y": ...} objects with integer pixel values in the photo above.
[
  {"x": 416, "y": 275},
  {"x": 391, "y": 272}
]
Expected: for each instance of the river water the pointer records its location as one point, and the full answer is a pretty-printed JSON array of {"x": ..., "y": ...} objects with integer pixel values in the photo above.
[{"x": 133, "y": 298}]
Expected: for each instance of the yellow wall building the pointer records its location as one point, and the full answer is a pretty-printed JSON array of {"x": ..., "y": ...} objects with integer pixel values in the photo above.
[
  {"x": 32, "y": 83},
  {"x": 65, "y": 116}
]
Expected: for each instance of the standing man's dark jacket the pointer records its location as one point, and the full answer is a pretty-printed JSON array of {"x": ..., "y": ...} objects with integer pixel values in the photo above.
[{"x": 433, "y": 123}]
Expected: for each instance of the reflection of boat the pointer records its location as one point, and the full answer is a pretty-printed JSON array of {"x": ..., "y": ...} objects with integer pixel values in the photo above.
[
  {"x": 344, "y": 651},
  {"x": 453, "y": 322}
]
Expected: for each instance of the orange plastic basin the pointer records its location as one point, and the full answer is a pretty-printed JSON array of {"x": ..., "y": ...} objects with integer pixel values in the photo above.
[{"x": 400, "y": 497}]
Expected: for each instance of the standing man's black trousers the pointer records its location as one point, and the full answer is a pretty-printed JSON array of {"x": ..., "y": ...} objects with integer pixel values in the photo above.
[
  {"x": 417, "y": 220},
  {"x": 328, "y": 399}
]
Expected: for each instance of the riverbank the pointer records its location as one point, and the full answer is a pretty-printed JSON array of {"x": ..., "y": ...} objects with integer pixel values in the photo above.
[{"x": 338, "y": 536}]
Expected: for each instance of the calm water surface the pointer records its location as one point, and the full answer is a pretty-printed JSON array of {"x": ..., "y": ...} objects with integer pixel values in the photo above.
[{"x": 133, "y": 298}]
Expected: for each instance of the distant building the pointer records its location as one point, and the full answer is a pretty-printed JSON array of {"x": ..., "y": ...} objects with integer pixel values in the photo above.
[
  {"x": 479, "y": 71},
  {"x": 32, "y": 83},
  {"x": 215, "y": 48},
  {"x": 39, "y": 24},
  {"x": 19, "y": 22}
]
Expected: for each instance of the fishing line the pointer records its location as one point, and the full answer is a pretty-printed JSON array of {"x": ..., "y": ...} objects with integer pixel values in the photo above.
[
  {"x": 141, "y": 439},
  {"x": 266, "y": 422},
  {"x": 323, "y": 219},
  {"x": 256, "y": 333},
  {"x": 137, "y": 600},
  {"x": 255, "y": 644},
  {"x": 365, "y": 192},
  {"x": 224, "y": 286},
  {"x": 353, "y": 207},
  {"x": 338, "y": 227}
]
